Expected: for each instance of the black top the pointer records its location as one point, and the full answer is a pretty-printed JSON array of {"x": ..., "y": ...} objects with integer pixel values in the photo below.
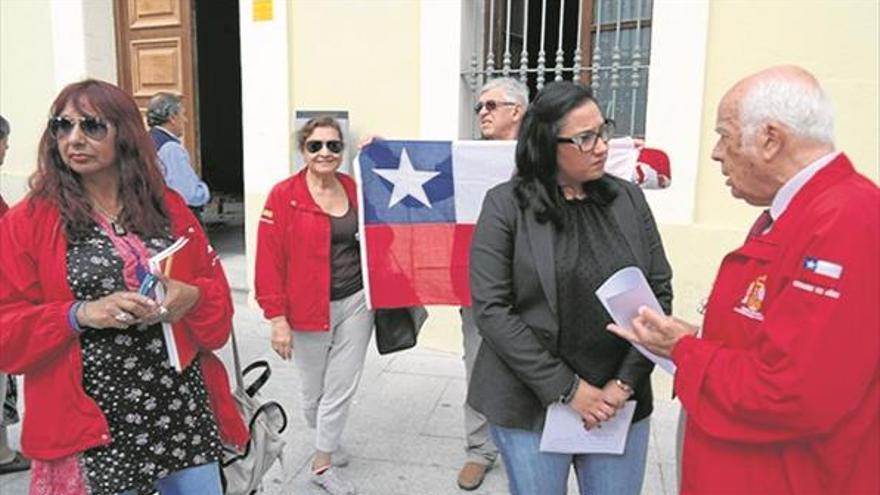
[
  {"x": 345, "y": 256},
  {"x": 160, "y": 420},
  {"x": 513, "y": 273},
  {"x": 590, "y": 248}
]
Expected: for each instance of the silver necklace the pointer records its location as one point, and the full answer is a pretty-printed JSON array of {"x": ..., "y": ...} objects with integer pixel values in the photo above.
[{"x": 118, "y": 229}]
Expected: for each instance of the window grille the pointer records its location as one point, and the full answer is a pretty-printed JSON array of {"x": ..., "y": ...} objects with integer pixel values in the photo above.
[{"x": 603, "y": 43}]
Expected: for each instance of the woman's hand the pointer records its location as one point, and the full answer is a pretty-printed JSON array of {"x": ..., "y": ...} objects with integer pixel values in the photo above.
[
  {"x": 282, "y": 340},
  {"x": 180, "y": 297},
  {"x": 589, "y": 402},
  {"x": 616, "y": 394},
  {"x": 367, "y": 140},
  {"x": 117, "y": 310}
]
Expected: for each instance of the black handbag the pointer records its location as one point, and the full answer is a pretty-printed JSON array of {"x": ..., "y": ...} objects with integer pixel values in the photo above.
[{"x": 398, "y": 329}]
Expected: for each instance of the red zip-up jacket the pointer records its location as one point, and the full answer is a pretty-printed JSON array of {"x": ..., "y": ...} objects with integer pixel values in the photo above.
[
  {"x": 783, "y": 390},
  {"x": 36, "y": 339},
  {"x": 293, "y": 254}
]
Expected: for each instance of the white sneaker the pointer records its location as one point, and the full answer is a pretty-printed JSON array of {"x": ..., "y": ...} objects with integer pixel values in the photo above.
[
  {"x": 334, "y": 483},
  {"x": 340, "y": 458}
]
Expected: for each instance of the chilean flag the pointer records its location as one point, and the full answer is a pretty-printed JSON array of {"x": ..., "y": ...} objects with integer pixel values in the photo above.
[{"x": 420, "y": 201}]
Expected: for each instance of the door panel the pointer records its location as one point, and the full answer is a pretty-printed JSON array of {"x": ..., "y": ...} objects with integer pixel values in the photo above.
[{"x": 155, "y": 53}]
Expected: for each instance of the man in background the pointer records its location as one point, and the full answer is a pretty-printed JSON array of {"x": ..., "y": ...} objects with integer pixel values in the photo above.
[
  {"x": 500, "y": 109},
  {"x": 166, "y": 118}
]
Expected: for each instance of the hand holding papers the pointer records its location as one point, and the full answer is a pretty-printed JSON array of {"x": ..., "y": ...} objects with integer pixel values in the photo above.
[
  {"x": 622, "y": 295},
  {"x": 180, "y": 349},
  {"x": 564, "y": 432}
]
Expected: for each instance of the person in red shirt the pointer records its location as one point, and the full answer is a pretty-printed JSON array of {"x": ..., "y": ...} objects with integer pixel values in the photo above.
[
  {"x": 107, "y": 413},
  {"x": 308, "y": 283},
  {"x": 10, "y": 460},
  {"x": 782, "y": 390}
]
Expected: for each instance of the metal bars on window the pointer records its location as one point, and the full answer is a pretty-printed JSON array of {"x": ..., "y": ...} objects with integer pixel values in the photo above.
[{"x": 602, "y": 43}]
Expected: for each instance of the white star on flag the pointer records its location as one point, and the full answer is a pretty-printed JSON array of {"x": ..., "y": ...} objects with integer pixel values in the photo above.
[{"x": 407, "y": 181}]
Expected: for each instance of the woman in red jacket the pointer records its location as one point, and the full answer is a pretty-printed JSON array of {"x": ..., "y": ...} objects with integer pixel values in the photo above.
[
  {"x": 10, "y": 460},
  {"x": 309, "y": 285},
  {"x": 106, "y": 411}
]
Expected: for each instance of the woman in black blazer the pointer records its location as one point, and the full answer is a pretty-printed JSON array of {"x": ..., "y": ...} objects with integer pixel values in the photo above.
[{"x": 544, "y": 243}]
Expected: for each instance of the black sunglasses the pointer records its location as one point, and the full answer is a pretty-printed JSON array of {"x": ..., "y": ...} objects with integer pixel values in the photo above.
[
  {"x": 491, "y": 105},
  {"x": 333, "y": 146},
  {"x": 586, "y": 141},
  {"x": 92, "y": 127}
]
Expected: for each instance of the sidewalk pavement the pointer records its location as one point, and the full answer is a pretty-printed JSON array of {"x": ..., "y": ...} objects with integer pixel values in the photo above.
[{"x": 406, "y": 429}]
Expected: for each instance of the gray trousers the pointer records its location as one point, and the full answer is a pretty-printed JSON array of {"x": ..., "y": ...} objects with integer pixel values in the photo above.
[
  {"x": 480, "y": 448},
  {"x": 330, "y": 365}
]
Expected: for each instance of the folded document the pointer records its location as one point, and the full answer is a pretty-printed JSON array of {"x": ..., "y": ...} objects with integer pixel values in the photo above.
[{"x": 564, "y": 432}]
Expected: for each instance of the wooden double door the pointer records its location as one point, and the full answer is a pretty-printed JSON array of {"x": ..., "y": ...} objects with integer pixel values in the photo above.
[{"x": 154, "y": 43}]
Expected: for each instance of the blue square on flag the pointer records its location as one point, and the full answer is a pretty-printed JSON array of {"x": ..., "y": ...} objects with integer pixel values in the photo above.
[
  {"x": 407, "y": 182},
  {"x": 420, "y": 202}
]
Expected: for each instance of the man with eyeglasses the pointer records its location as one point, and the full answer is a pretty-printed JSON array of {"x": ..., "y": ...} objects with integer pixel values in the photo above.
[
  {"x": 500, "y": 109},
  {"x": 166, "y": 118},
  {"x": 781, "y": 383}
]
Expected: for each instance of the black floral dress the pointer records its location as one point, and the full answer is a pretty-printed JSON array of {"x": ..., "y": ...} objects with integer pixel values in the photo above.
[{"x": 160, "y": 420}]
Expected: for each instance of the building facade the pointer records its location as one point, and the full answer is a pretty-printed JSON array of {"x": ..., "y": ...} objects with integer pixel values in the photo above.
[{"x": 408, "y": 68}]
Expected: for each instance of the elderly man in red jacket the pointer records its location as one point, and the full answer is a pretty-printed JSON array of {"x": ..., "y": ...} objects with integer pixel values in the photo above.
[{"x": 782, "y": 391}]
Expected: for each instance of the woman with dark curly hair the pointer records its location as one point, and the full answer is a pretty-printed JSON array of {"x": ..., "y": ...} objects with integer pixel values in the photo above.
[
  {"x": 107, "y": 412},
  {"x": 544, "y": 242}
]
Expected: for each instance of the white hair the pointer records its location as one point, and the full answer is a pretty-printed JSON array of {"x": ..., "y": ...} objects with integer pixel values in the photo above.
[
  {"x": 804, "y": 109},
  {"x": 513, "y": 89}
]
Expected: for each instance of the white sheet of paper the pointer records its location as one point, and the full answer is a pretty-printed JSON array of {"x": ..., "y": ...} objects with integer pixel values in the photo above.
[
  {"x": 622, "y": 295},
  {"x": 564, "y": 432}
]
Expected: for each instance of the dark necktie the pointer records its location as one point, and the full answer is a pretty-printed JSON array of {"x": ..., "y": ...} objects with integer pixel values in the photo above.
[{"x": 760, "y": 225}]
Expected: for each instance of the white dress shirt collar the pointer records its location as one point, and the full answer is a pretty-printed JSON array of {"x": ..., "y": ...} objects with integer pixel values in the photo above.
[{"x": 788, "y": 190}]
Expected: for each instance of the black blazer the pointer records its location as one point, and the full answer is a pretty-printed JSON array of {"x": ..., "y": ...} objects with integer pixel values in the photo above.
[{"x": 518, "y": 373}]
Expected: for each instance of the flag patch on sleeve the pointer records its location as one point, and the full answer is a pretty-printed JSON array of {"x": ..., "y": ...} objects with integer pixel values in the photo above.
[
  {"x": 267, "y": 216},
  {"x": 823, "y": 267}
]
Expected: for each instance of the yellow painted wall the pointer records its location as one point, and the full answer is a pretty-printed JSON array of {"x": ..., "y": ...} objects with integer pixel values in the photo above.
[
  {"x": 26, "y": 86},
  {"x": 837, "y": 40},
  {"x": 358, "y": 56}
]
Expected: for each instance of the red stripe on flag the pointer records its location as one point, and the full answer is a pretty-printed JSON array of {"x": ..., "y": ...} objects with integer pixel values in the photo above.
[{"x": 416, "y": 264}]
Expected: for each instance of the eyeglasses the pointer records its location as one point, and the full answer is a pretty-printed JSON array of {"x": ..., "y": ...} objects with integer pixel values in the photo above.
[
  {"x": 333, "y": 146},
  {"x": 92, "y": 127},
  {"x": 491, "y": 105},
  {"x": 586, "y": 141}
]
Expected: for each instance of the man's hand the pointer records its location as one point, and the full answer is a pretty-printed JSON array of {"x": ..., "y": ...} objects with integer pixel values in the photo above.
[
  {"x": 658, "y": 333},
  {"x": 282, "y": 340},
  {"x": 589, "y": 402}
]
